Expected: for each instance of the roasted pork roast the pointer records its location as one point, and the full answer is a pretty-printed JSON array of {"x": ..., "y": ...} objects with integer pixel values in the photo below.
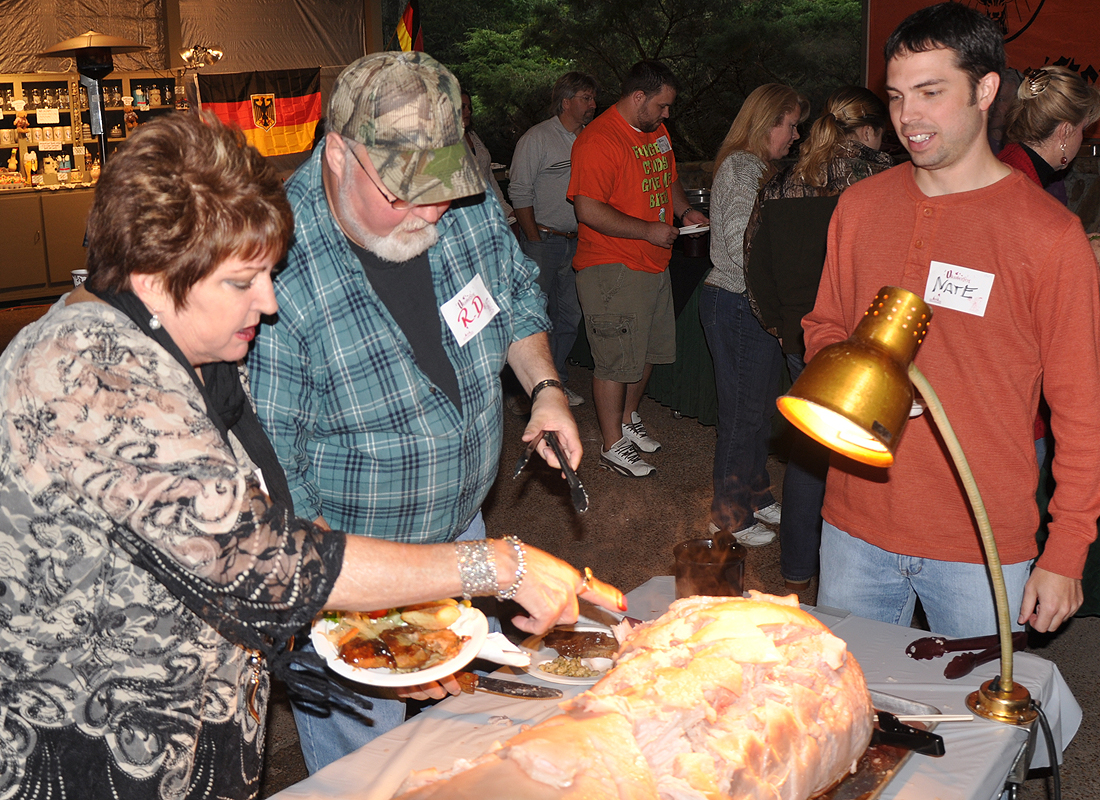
[{"x": 719, "y": 698}]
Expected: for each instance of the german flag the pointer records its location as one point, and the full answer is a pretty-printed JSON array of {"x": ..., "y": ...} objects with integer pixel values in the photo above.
[
  {"x": 278, "y": 111},
  {"x": 409, "y": 35}
]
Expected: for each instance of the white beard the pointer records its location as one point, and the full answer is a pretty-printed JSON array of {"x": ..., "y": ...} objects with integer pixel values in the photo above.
[{"x": 409, "y": 239}]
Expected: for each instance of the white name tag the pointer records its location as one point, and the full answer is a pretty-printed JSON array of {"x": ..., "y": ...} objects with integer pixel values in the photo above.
[
  {"x": 469, "y": 311},
  {"x": 663, "y": 145},
  {"x": 959, "y": 288}
]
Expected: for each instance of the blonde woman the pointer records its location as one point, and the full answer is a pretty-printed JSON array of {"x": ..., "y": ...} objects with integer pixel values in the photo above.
[
  {"x": 747, "y": 360},
  {"x": 785, "y": 251},
  {"x": 1046, "y": 124}
]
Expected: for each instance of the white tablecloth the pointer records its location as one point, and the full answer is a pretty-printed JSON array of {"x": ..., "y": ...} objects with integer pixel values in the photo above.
[{"x": 979, "y": 755}]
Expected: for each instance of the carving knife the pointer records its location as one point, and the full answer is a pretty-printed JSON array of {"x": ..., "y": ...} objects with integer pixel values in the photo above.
[{"x": 471, "y": 681}]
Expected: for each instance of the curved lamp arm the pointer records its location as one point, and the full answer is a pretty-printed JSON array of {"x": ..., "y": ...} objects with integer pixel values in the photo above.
[{"x": 993, "y": 560}]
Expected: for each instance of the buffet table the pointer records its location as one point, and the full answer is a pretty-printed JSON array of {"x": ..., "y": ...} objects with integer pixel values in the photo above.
[{"x": 980, "y": 754}]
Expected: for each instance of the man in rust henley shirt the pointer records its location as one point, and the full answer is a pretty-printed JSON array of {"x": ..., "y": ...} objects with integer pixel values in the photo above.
[{"x": 1021, "y": 315}]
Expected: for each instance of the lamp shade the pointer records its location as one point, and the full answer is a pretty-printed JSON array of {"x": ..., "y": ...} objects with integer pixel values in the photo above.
[
  {"x": 93, "y": 40},
  {"x": 855, "y": 396}
]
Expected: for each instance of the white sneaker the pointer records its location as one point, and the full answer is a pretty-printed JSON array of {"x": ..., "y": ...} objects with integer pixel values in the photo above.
[
  {"x": 637, "y": 434},
  {"x": 756, "y": 536},
  {"x": 769, "y": 514},
  {"x": 624, "y": 459},
  {"x": 573, "y": 398}
]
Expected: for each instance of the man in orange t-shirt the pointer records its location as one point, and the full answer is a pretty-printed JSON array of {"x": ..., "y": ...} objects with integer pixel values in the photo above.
[{"x": 626, "y": 192}]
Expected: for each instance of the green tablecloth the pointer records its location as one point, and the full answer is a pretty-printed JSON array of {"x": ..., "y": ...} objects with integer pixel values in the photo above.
[{"x": 687, "y": 385}]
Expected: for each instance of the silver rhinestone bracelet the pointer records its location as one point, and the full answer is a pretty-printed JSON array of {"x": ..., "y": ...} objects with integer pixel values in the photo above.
[
  {"x": 477, "y": 568},
  {"x": 521, "y": 569}
]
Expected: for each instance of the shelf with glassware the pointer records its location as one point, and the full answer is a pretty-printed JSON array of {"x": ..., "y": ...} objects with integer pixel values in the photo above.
[{"x": 49, "y": 142}]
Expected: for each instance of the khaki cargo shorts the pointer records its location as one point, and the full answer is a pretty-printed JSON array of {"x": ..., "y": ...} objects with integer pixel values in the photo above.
[{"x": 629, "y": 319}]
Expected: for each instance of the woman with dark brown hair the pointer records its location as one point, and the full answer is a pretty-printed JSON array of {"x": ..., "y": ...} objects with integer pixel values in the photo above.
[{"x": 152, "y": 564}]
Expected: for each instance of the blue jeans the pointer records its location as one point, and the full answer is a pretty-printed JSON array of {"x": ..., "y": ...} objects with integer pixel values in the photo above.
[
  {"x": 331, "y": 733},
  {"x": 874, "y": 583},
  {"x": 803, "y": 494},
  {"x": 557, "y": 278},
  {"x": 747, "y": 364}
]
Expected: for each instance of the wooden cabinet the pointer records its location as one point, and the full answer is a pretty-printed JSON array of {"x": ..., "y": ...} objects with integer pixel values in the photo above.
[
  {"x": 42, "y": 236},
  {"x": 42, "y": 220},
  {"x": 65, "y": 219},
  {"x": 24, "y": 242},
  {"x": 60, "y": 135}
]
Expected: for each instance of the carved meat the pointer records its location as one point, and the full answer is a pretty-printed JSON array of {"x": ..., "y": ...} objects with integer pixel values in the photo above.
[
  {"x": 581, "y": 644},
  {"x": 414, "y": 648},
  {"x": 367, "y": 654},
  {"x": 719, "y": 698}
]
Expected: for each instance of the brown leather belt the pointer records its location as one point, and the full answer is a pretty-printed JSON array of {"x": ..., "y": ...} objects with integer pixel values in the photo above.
[{"x": 553, "y": 232}]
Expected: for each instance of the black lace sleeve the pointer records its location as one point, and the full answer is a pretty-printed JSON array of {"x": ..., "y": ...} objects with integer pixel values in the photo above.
[{"x": 112, "y": 431}]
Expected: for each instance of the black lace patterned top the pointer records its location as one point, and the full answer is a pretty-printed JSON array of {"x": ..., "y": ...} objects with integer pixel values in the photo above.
[{"x": 110, "y": 686}]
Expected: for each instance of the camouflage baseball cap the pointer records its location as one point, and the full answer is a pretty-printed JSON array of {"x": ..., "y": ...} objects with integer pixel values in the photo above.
[{"x": 406, "y": 108}]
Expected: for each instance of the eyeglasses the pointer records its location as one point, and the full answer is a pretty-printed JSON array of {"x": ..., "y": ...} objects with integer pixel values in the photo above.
[{"x": 397, "y": 204}]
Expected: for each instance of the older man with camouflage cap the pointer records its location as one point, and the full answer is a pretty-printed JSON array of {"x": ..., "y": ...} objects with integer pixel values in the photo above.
[{"x": 403, "y": 297}]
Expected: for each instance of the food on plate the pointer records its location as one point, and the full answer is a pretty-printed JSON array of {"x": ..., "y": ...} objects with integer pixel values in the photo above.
[
  {"x": 581, "y": 644},
  {"x": 433, "y": 616},
  {"x": 568, "y": 667},
  {"x": 405, "y": 639},
  {"x": 415, "y": 649},
  {"x": 719, "y": 698}
]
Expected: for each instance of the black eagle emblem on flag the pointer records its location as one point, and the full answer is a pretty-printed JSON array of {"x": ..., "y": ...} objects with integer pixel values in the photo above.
[{"x": 263, "y": 111}]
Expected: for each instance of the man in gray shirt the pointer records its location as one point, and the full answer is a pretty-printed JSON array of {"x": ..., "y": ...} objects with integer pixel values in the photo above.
[{"x": 537, "y": 182}]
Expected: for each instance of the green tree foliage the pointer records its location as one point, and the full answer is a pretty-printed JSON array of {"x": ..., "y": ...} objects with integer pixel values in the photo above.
[
  {"x": 509, "y": 52},
  {"x": 510, "y": 82}
]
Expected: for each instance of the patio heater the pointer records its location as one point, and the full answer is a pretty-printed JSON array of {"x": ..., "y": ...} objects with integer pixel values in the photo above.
[
  {"x": 854, "y": 397},
  {"x": 93, "y": 53}
]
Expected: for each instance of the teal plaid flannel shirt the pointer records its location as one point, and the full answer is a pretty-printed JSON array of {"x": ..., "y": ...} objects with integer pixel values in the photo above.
[{"x": 367, "y": 441}]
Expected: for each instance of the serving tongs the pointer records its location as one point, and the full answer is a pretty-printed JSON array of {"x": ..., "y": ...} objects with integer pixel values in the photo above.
[
  {"x": 988, "y": 648},
  {"x": 576, "y": 489}
]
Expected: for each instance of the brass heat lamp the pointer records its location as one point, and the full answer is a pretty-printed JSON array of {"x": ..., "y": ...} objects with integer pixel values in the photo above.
[{"x": 855, "y": 397}]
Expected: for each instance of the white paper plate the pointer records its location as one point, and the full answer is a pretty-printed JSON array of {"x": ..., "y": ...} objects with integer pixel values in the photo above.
[
  {"x": 540, "y": 655},
  {"x": 690, "y": 229},
  {"x": 470, "y": 622}
]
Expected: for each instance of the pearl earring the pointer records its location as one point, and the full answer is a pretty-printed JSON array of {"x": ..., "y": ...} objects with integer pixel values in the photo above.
[
  {"x": 1064, "y": 159},
  {"x": 154, "y": 322}
]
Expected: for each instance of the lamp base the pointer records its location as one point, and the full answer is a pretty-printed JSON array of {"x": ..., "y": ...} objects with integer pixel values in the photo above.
[{"x": 1011, "y": 707}]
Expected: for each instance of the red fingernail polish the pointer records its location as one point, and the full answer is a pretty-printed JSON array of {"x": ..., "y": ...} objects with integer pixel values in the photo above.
[{"x": 622, "y": 603}]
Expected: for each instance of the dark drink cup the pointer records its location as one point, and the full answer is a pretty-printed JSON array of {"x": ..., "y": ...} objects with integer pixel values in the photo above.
[{"x": 714, "y": 567}]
